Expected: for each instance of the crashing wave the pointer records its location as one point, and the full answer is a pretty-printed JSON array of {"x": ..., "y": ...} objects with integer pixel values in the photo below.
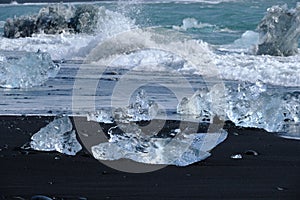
[
  {"x": 68, "y": 45},
  {"x": 192, "y": 23},
  {"x": 279, "y": 31},
  {"x": 249, "y": 105},
  {"x": 25, "y": 69},
  {"x": 129, "y": 141},
  {"x": 54, "y": 19}
]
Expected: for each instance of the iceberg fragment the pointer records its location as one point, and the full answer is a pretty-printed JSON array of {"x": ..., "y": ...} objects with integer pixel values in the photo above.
[
  {"x": 54, "y": 19},
  {"x": 25, "y": 69},
  {"x": 249, "y": 105},
  {"x": 279, "y": 31},
  {"x": 57, "y": 136},
  {"x": 129, "y": 141},
  {"x": 197, "y": 106},
  {"x": 142, "y": 109},
  {"x": 100, "y": 116}
]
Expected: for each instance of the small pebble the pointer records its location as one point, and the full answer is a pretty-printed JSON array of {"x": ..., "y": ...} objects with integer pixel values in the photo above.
[
  {"x": 19, "y": 198},
  {"x": 40, "y": 197},
  {"x": 104, "y": 172},
  {"x": 251, "y": 152},
  {"x": 280, "y": 188},
  {"x": 57, "y": 157},
  {"x": 236, "y": 156}
]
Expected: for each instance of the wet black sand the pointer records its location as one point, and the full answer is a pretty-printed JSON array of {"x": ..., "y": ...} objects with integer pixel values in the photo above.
[{"x": 273, "y": 174}]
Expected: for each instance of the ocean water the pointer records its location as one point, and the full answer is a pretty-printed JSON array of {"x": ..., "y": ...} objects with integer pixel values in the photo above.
[{"x": 170, "y": 49}]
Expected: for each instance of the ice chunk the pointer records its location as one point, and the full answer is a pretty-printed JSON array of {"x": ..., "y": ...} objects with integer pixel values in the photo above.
[
  {"x": 57, "y": 136},
  {"x": 142, "y": 109},
  {"x": 54, "y": 19},
  {"x": 204, "y": 105},
  {"x": 279, "y": 31},
  {"x": 198, "y": 106},
  {"x": 128, "y": 141},
  {"x": 249, "y": 105},
  {"x": 25, "y": 69},
  {"x": 252, "y": 106},
  {"x": 100, "y": 116}
]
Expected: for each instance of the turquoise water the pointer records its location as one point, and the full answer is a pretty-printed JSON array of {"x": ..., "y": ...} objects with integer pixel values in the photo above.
[{"x": 228, "y": 19}]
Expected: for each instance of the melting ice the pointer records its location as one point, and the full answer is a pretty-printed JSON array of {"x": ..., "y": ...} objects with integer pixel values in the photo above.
[
  {"x": 249, "y": 105},
  {"x": 25, "y": 69},
  {"x": 279, "y": 31},
  {"x": 142, "y": 109},
  {"x": 57, "y": 136},
  {"x": 129, "y": 141}
]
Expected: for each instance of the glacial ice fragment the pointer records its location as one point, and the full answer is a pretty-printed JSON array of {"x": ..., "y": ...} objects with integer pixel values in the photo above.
[
  {"x": 250, "y": 105},
  {"x": 54, "y": 19},
  {"x": 128, "y": 141},
  {"x": 142, "y": 109},
  {"x": 57, "y": 136},
  {"x": 25, "y": 69},
  {"x": 279, "y": 31},
  {"x": 100, "y": 116},
  {"x": 204, "y": 105},
  {"x": 198, "y": 106}
]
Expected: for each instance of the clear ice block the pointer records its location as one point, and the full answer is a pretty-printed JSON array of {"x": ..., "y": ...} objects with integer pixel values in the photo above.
[
  {"x": 57, "y": 136},
  {"x": 128, "y": 141}
]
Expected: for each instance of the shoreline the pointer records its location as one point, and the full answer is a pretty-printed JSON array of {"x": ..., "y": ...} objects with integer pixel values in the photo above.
[{"x": 273, "y": 174}]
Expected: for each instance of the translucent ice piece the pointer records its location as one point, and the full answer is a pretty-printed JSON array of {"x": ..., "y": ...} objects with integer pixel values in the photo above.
[
  {"x": 252, "y": 106},
  {"x": 54, "y": 19},
  {"x": 249, "y": 105},
  {"x": 204, "y": 105},
  {"x": 25, "y": 69},
  {"x": 100, "y": 116},
  {"x": 128, "y": 141},
  {"x": 143, "y": 108},
  {"x": 57, "y": 136},
  {"x": 198, "y": 106},
  {"x": 279, "y": 31}
]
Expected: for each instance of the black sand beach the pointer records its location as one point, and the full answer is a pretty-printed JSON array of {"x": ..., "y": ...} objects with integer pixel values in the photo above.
[{"x": 273, "y": 174}]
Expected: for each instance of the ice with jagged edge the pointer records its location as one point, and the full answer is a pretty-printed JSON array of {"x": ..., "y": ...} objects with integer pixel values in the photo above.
[
  {"x": 279, "y": 31},
  {"x": 25, "y": 69},
  {"x": 100, "y": 116},
  {"x": 142, "y": 109},
  {"x": 128, "y": 141},
  {"x": 57, "y": 136},
  {"x": 249, "y": 105}
]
